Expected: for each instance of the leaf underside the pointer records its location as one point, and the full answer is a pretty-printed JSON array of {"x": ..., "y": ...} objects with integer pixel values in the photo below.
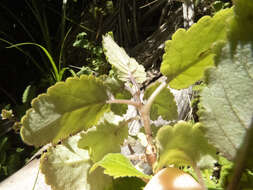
[
  {"x": 122, "y": 62},
  {"x": 189, "y": 52},
  {"x": 226, "y": 102},
  {"x": 67, "y": 108}
]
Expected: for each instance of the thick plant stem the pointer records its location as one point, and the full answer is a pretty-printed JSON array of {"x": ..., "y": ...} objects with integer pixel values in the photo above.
[
  {"x": 200, "y": 177},
  {"x": 144, "y": 110},
  {"x": 151, "y": 148}
]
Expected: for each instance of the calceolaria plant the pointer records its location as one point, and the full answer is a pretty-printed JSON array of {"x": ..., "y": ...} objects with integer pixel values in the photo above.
[{"x": 83, "y": 117}]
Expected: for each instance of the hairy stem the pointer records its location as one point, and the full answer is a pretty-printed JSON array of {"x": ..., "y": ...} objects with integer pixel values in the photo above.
[
  {"x": 151, "y": 99},
  {"x": 200, "y": 177},
  {"x": 122, "y": 101},
  {"x": 144, "y": 110},
  {"x": 137, "y": 90},
  {"x": 145, "y": 116}
]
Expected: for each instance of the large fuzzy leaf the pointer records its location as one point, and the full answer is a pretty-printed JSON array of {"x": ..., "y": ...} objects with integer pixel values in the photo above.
[
  {"x": 66, "y": 167},
  {"x": 125, "y": 65},
  {"x": 164, "y": 104},
  {"x": 117, "y": 165},
  {"x": 67, "y": 108},
  {"x": 226, "y": 102},
  {"x": 189, "y": 52},
  {"x": 182, "y": 144},
  {"x": 106, "y": 138}
]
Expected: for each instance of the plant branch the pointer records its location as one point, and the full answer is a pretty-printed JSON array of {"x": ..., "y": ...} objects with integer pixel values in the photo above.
[
  {"x": 137, "y": 91},
  {"x": 200, "y": 177},
  {"x": 137, "y": 157},
  {"x": 122, "y": 101},
  {"x": 145, "y": 116},
  {"x": 151, "y": 99}
]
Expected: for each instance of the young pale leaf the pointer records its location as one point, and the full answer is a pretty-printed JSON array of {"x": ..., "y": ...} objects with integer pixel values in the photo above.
[
  {"x": 117, "y": 165},
  {"x": 189, "y": 52},
  {"x": 106, "y": 138},
  {"x": 66, "y": 167},
  {"x": 125, "y": 65},
  {"x": 67, "y": 108},
  {"x": 226, "y": 102},
  {"x": 182, "y": 144},
  {"x": 164, "y": 104}
]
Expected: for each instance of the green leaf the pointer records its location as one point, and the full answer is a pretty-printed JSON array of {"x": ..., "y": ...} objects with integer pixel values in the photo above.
[
  {"x": 182, "y": 144},
  {"x": 125, "y": 65},
  {"x": 189, "y": 52},
  {"x": 106, "y": 138},
  {"x": 164, "y": 104},
  {"x": 66, "y": 167},
  {"x": 67, "y": 108},
  {"x": 120, "y": 109},
  {"x": 117, "y": 165},
  {"x": 226, "y": 102},
  {"x": 117, "y": 88},
  {"x": 128, "y": 183},
  {"x": 242, "y": 27}
]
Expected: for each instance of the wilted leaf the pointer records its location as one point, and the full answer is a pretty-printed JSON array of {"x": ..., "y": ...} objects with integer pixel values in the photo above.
[
  {"x": 122, "y": 62},
  {"x": 182, "y": 144},
  {"x": 117, "y": 165},
  {"x": 67, "y": 108},
  {"x": 66, "y": 167},
  {"x": 189, "y": 52},
  {"x": 106, "y": 138},
  {"x": 226, "y": 102},
  {"x": 164, "y": 104}
]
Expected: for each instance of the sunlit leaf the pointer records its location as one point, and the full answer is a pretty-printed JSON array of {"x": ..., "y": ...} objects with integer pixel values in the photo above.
[
  {"x": 106, "y": 138},
  {"x": 182, "y": 144},
  {"x": 125, "y": 65},
  {"x": 67, "y": 108},
  {"x": 66, "y": 167},
  {"x": 226, "y": 102},
  {"x": 117, "y": 165},
  {"x": 164, "y": 104},
  {"x": 189, "y": 52}
]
